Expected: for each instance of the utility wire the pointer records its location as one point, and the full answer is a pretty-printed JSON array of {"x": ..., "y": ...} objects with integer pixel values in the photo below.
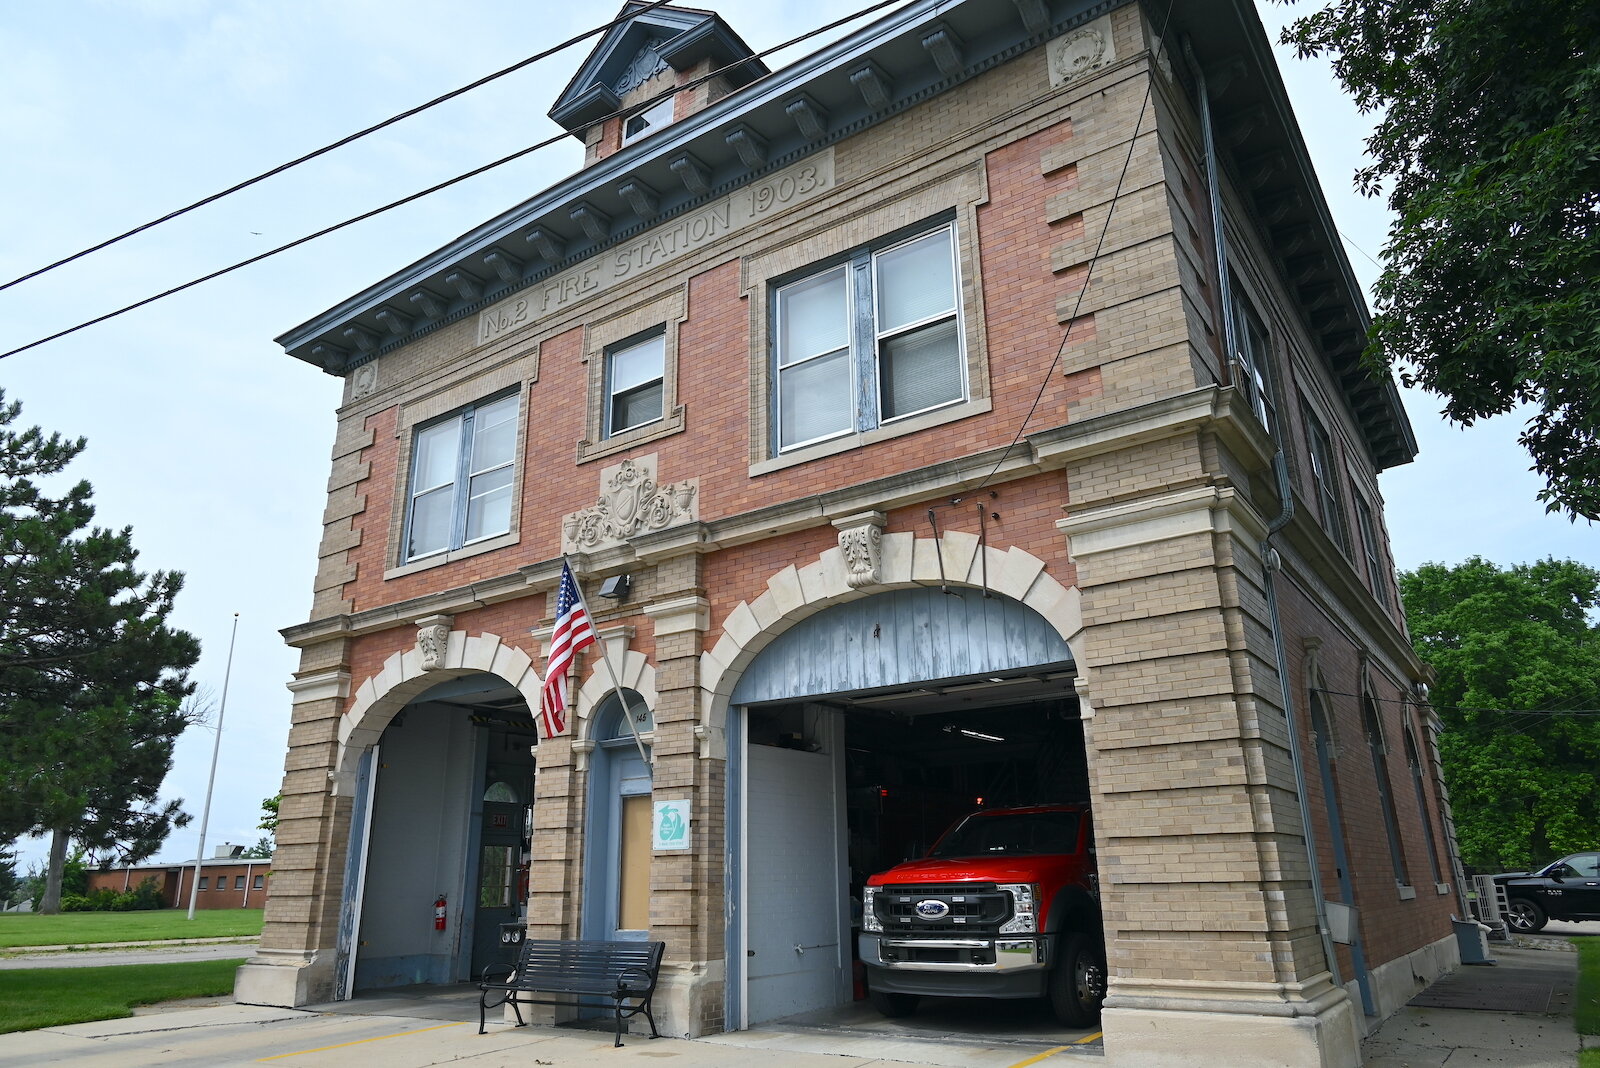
[
  {"x": 325, "y": 231},
  {"x": 1551, "y": 712},
  {"x": 325, "y": 149},
  {"x": 1088, "y": 273}
]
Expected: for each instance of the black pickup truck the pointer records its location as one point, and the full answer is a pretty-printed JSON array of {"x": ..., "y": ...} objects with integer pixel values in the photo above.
[{"x": 1568, "y": 889}]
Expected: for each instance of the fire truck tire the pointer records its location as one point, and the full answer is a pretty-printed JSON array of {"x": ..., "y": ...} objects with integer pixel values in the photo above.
[
  {"x": 1078, "y": 983},
  {"x": 893, "y": 1005}
]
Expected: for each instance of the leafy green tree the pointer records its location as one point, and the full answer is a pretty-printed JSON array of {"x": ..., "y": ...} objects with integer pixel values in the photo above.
[
  {"x": 1487, "y": 144},
  {"x": 1517, "y": 664},
  {"x": 264, "y": 846},
  {"x": 92, "y": 676}
]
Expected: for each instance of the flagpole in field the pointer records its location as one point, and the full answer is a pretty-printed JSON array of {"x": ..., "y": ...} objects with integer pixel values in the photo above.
[{"x": 574, "y": 630}]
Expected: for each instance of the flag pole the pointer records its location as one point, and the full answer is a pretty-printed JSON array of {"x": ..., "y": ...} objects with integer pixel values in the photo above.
[{"x": 605, "y": 655}]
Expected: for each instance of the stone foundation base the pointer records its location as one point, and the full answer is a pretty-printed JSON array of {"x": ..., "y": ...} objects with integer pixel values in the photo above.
[
  {"x": 1199, "y": 1025},
  {"x": 285, "y": 978},
  {"x": 689, "y": 999},
  {"x": 1398, "y": 981}
]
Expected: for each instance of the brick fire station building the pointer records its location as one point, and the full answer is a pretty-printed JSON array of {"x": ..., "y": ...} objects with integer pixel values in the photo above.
[{"x": 970, "y": 410}]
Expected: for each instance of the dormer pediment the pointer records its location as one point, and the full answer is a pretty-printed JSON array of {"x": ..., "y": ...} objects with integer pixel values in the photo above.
[{"x": 634, "y": 51}]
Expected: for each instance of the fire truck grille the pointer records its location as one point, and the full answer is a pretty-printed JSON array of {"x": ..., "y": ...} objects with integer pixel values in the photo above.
[{"x": 973, "y": 907}]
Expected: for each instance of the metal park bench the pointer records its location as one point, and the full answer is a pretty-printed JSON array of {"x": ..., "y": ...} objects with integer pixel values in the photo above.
[{"x": 618, "y": 971}]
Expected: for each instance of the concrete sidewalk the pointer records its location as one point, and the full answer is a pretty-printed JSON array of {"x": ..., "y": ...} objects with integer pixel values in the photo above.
[
  {"x": 105, "y": 955},
  {"x": 1523, "y": 1018},
  {"x": 418, "y": 1032}
]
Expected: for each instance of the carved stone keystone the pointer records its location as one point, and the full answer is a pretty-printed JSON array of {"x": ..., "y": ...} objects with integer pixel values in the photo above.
[
  {"x": 433, "y": 638},
  {"x": 861, "y": 542}
]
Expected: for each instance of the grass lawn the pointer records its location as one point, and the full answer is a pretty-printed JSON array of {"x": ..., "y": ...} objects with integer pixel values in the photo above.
[
  {"x": 48, "y": 997},
  {"x": 1586, "y": 1005},
  {"x": 70, "y": 928}
]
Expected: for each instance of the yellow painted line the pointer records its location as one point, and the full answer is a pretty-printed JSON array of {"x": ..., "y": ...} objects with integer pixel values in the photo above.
[
  {"x": 1090, "y": 1038},
  {"x": 360, "y": 1041},
  {"x": 1037, "y": 1057}
]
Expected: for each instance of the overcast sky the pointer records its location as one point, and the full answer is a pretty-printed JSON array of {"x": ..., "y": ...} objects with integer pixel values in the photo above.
[{"x": 213, "y": 444}]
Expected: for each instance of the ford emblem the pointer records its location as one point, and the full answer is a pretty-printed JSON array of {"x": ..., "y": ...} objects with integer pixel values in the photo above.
[{"x": 932, "y": 909}]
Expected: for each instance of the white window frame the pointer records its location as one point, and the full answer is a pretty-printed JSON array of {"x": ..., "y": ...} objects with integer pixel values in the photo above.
[
  {"x": 864, "y": 342},
  {"x": 1252, "y": 359},
  {"x": 1325, "y": 482},
  {"x": 649, "y": 120},
  {"x": 466, "y": 421},
  {"x": 657, "y": 339}
]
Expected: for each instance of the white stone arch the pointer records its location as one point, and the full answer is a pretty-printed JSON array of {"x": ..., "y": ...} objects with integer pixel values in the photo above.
[
  {"x": 955, "y": 559},
  {"x": 380, "y": 698},
  {"x": 634, "y": 672}
]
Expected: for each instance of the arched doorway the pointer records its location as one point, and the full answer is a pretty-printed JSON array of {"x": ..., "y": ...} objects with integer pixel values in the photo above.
[
  {"x": 855, "y": 737},
  {"x": 443, "y": 803}
]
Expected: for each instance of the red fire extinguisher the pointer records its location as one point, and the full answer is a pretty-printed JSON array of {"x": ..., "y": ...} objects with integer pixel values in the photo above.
[{"x": 438, "y": 913}]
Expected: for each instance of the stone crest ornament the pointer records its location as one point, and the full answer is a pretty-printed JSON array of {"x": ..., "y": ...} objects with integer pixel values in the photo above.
[
  {"x": 433, "y": 640},
  {"x": 861, "y": 543},
  {"x": 364, "y": 382},
  {"x": 1088, "y": 48},
  {"x": 646, "y": 64},
  {"x": 631, "y": 503}
]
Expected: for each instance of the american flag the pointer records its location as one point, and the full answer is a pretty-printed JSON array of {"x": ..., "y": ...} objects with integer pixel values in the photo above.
[{"x": 573, "y": 632}]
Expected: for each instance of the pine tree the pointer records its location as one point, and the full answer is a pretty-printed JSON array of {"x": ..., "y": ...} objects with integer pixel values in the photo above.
[{"x": 92, "y": 677}]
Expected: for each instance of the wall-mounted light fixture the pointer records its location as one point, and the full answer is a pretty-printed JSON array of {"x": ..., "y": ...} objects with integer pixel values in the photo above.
[{"x": 616, "y": 587}]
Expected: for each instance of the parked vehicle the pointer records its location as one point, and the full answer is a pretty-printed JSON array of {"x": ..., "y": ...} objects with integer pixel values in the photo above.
[
  {"x": 1005, "y": 905},
  {"x": 1568, "y": 889}
]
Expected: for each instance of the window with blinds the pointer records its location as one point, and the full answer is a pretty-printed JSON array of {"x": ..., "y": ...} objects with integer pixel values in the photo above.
[
  {"x": 869, "y": 341},
  {"x": 634, "y": 379}
]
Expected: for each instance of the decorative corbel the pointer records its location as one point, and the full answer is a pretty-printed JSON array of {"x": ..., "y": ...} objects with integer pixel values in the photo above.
[
  {"x": 433, "y": 639},
  {"x": 362, "y": 338},
  {"x": 810, "y": 116},
  {"x": 640, "y": 197},
  {"x": 861, "y": 543},
  {"x": 945, "y": 48},
  {"x": 397, "y": 323},
  {"x": 694, "y": 174},
  {"x": 504, "y": 264},
  {"x": 752, "y": 148},
  {"x": 875, "y": 85},
  {"x": 548, "y": 245},
  {"x": 595, "y": 223},
  {"x": 430, "y": 303}
]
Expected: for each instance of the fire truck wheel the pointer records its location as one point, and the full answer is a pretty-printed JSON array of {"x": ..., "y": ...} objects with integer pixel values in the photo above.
[
  {"x": 893, "y": 1005},
  {"x": 1078, "y": 983}
]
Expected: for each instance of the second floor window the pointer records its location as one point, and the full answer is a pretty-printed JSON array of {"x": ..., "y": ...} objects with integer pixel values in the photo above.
[
  {"x": 634, "y": 377},
  {"x": 1369, "y": 547},
  {"x": 461, "y": 472},
  {"x": 1252, "y": 361},
  {"x": 1326, "y": 486},
  {"x": 872, "y": 340}
]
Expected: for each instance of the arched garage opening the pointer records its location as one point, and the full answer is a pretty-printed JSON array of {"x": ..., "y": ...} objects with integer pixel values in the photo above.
[
  {"x": 855, "y": 738},
  {"x": 443, "y": 805}
]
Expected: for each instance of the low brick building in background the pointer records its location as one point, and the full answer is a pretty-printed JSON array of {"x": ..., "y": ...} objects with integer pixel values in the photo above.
[
  {"x": 970, "y": 412},
  {"x": 227, "y": 880}
]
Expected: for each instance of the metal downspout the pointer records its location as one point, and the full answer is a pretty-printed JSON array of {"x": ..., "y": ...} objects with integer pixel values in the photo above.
[{"x": 1270, "y": 559}]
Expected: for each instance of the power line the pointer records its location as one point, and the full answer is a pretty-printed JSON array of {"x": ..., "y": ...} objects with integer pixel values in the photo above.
[
  {"x": 502, "y": 161},
  {"x": 325, "y": 149},
  {"x": 1547, "y": 712}
]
